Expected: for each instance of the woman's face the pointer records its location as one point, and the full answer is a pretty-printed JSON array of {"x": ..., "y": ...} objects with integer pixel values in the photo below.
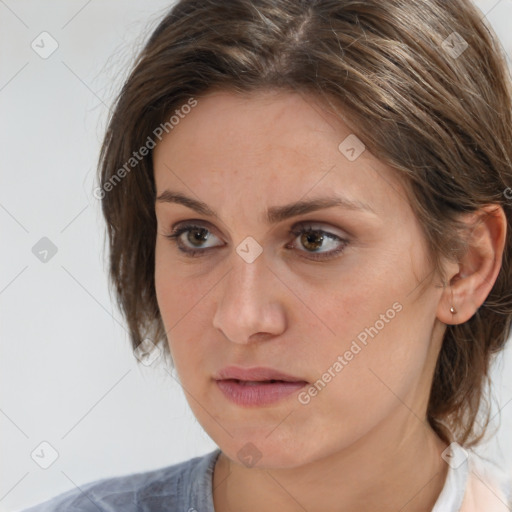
[{"x": 340, "y": 311}]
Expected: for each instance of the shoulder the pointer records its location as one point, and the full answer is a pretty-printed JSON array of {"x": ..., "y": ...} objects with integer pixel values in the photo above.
[
  {"x": 488, "y": 488},
  {"x": 473, "y": 484},
  {"x": 136, "y": 491}
]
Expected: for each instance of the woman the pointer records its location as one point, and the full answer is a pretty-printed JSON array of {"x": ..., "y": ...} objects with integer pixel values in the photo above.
[{"x": 308, "y": 205}]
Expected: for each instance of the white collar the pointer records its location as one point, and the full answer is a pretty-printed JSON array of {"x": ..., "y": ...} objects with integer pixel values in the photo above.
[{"x": 452, "y": 495}]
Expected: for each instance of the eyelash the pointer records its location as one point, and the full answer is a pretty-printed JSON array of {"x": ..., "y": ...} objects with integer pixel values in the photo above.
[{"x": 301, "y": 230}]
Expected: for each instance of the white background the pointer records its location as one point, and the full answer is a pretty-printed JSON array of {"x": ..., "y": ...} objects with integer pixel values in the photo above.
[{"x": 67, "y": 373}]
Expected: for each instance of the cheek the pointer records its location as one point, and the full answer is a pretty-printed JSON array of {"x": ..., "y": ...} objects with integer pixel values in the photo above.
[
  {"x": 182, "y": 301},
  {"x": 176, "y": 292},
  {"x": 380, "y": 379},
  {"x": 166, "y": 289},
  {"x": 381, "y": 336},
  {"x": 384, "y": 371}
]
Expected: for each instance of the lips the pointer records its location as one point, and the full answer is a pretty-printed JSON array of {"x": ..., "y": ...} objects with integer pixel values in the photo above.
[
  {"x": 257, "y": 386},
  {"x": 256, "y": 375}
]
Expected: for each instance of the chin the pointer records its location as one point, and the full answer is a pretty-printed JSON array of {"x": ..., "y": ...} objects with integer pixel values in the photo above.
[{"x": 262, "y": 452}]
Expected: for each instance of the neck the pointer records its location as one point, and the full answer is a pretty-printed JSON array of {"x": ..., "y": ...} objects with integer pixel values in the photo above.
[{"x": 390, "y": 468}]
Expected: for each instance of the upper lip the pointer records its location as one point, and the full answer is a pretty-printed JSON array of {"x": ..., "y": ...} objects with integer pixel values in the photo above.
[{"x": 256, "y": 373}]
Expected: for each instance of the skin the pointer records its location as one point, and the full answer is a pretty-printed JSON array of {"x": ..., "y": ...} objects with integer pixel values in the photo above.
[{"x": 362, "y": 443}]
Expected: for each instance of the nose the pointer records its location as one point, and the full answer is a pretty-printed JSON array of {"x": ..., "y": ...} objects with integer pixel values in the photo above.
[{"x": 249, "y": 306}]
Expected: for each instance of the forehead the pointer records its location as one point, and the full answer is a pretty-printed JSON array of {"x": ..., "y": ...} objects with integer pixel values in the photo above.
[
  {"x": 279, "y": 145},
  {"x": 263, "y": 122}
]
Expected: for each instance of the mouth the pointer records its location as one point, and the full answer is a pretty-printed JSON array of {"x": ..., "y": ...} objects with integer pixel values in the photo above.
[
  {"x": 253, "y": 387},
  {"x": 256, "y": 374},
  {"x": 258, "y": 382}
]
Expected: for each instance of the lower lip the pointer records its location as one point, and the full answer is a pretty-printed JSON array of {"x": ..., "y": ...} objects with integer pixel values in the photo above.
[{"x": 258, "y": 394}]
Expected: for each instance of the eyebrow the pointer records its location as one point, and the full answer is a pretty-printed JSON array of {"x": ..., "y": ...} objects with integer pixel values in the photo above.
[{"x": 275, "y": 214}]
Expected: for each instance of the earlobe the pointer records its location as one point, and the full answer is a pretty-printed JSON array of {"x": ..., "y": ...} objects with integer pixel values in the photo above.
[
  {"x": 448, "y": 307},
  {"x": 478, "y": 268}
]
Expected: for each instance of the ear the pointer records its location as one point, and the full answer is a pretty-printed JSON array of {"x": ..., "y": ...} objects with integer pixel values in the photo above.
[{"x": 472, "y": 278}]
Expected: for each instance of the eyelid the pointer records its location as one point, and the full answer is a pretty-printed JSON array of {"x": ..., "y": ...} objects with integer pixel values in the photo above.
[
  {"x": 198, "y": 222},
  {"x": 190, "y": 224},
  {"x": 320, "y": 226}
]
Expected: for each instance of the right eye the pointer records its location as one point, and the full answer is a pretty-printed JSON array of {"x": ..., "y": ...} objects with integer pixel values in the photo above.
[{"x": 195, "y": 236}]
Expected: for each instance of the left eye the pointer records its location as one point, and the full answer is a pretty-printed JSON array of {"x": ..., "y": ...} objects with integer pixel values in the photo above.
[
  {"x": 312, "y": 239},
  {"x": 315, "y": 239}
]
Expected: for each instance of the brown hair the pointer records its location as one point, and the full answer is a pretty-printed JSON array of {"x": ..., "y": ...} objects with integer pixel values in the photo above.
[{"x": 440, "y": 117}]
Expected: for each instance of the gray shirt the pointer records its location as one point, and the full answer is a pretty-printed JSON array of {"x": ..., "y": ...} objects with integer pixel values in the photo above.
[
  {"x": 182, "y": 487},
  {"x": 187, "y": 487}
]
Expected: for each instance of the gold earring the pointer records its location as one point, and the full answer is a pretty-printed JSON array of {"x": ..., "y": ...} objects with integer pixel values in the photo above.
[{"x": 452, "y": 309}]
